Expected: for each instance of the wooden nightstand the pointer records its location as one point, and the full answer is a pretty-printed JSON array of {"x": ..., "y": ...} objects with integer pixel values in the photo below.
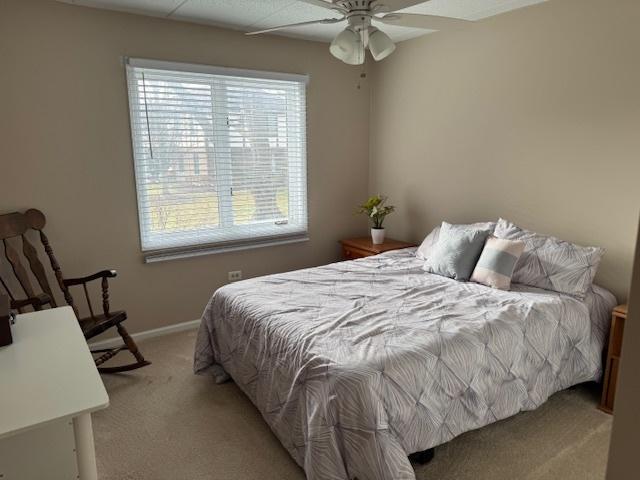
[
  {"x": 614, "y": 351},
  {"x": 364, "y": 247}
]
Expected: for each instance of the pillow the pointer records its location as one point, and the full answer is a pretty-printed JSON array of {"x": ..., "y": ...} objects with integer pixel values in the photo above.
[
  {"x": 496, "y": 263},
  {"x": 550, "y": 263},
  {"x": 430, "y": 241},
  {"x": 456, "y": 252}
]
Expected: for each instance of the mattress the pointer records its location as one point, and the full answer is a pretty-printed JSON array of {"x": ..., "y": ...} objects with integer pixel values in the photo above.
[{"x": 357, "y": 364}]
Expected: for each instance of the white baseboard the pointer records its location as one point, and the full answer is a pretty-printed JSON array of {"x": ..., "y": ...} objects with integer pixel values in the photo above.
[{"x": 155, "y": 332}]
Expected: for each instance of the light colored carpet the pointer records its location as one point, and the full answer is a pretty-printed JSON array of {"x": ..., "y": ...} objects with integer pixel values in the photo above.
[{"x": 166, "y": 423}]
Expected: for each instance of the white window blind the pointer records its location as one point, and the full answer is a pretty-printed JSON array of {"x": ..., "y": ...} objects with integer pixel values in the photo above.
[{"x": 220, "y": 155}]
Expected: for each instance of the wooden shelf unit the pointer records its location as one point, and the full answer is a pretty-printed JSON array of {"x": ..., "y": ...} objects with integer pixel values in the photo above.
[{"x": 614, "y": 351}]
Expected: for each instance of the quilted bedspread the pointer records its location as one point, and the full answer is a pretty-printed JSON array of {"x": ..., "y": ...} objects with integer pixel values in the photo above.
[{"x": 357, "y": 364}]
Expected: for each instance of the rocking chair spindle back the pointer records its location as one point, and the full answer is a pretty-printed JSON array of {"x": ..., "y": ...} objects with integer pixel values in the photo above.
[{"x": 14, "y": 233}]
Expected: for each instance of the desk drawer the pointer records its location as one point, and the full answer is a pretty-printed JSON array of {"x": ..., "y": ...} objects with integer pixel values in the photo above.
[{"x": 47, "y": 451}]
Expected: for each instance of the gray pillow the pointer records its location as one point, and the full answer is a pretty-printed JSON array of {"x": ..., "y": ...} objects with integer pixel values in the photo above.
[
  {"x": 457, "y": 251},
  {"x": 431, "y": 240}
]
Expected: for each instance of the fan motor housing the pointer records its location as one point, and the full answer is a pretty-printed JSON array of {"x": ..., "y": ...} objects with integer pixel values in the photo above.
[
  {"x": 359, "y": 22},
  {"x": 355, "y": 4}
]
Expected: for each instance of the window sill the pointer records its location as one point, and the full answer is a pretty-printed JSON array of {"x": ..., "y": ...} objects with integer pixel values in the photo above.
[{"x": 198, "y": 251}]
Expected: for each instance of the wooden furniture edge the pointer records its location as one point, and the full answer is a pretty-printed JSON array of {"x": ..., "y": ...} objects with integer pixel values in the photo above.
[{"x": 612, "y": 359}]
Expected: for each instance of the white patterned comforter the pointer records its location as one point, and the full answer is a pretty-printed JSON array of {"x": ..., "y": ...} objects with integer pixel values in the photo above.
[{"x": 357, "y": 364}]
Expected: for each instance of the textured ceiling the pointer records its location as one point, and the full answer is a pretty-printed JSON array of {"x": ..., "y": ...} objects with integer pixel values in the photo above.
[{"x": 247, "y": 15}]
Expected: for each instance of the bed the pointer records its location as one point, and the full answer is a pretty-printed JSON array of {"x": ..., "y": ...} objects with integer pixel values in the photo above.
[{"x": 357, "y": 364}]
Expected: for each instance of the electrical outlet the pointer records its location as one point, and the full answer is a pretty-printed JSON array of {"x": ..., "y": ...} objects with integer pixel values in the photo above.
[{"x": 235, "y": 275}]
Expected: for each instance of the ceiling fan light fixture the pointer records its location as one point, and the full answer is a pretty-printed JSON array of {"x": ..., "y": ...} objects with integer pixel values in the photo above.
[
  {"x": 380, "y": 44},
  {"x": 351, "y": 44},
  {"x": 345, "y": 45}
]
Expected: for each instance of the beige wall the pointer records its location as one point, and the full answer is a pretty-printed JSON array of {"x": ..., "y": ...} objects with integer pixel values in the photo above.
[
  {"x": 65, "y": 146},
  {"x": 625, "y": 437},
  {"x": 532, "y": 115}
]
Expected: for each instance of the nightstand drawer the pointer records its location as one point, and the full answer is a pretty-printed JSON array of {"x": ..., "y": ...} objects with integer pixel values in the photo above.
[
  {"x": 363, "y": 247},
  {"x": 351, "y": 253}
]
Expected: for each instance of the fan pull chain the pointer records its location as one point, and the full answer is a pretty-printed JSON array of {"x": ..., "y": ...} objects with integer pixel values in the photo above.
[{"x": 363, "y": 75}]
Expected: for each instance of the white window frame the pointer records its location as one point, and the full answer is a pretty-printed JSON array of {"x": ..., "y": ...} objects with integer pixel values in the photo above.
[{"x": 290, "y": 234}]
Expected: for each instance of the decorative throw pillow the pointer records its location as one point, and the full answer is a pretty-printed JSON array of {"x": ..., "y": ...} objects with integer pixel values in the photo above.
[
  {"x": 456, "y": 252},
  {"x": 550, "y": 263},
  {"x": 431, "y": 240},
  {"x": 497, "y": 261}
]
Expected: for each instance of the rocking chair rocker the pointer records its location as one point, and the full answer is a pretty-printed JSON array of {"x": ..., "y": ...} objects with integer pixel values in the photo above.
[{"x": 14, "y": 227}]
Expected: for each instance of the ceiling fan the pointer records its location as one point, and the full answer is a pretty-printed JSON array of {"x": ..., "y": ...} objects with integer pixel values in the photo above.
[{"x": 350, "y": 45}]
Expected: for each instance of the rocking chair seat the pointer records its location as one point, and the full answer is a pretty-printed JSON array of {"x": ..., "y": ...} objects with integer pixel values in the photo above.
[{"x": 97, "y": 324}]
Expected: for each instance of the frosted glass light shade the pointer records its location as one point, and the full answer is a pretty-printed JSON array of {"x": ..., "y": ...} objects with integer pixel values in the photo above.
[
  {"x": 358, "y": 55},
  {"x": 380, "y": 44},
  {"x": 348, "y": 47}
]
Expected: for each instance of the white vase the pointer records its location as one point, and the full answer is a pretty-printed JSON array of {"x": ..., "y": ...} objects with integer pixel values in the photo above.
[{"x": 377, "y": 236}]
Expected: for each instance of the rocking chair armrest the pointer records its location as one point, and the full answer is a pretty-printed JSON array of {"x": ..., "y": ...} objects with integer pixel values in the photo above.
[
  {"x": 35, "y": 302},
  {"x": 70, "y": 282}
]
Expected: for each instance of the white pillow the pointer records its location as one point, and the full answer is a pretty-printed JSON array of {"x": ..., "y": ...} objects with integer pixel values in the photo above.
[
  {"x": 550, "y": 263},
  {"x": 430, "y": 241}
]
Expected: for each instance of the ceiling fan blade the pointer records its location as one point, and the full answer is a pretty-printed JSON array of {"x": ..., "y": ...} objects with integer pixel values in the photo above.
[
  {"x": 321, "y": 3},
  {"x": 386, "y": 6},
  {"x": 301, "y": 24},
  {"x": 414, "y": 20}
]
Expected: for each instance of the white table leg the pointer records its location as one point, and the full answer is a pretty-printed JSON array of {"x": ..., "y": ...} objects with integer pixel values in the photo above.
[{"x": 85, "y": 450}]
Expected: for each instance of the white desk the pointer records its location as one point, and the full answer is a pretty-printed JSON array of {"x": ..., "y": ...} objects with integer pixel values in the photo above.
[{"x": 49, "y": 386}]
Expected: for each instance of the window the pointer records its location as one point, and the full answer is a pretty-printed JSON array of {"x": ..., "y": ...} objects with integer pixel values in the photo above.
[{"x": 220, "y": 157}]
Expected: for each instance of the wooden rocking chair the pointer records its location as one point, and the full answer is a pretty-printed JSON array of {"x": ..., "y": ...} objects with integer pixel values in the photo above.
[{"x": 13, "y": 229}]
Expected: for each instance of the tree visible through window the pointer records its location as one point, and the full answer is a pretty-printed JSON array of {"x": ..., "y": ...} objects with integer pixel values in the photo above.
[{"x": 220, "y": 158}]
